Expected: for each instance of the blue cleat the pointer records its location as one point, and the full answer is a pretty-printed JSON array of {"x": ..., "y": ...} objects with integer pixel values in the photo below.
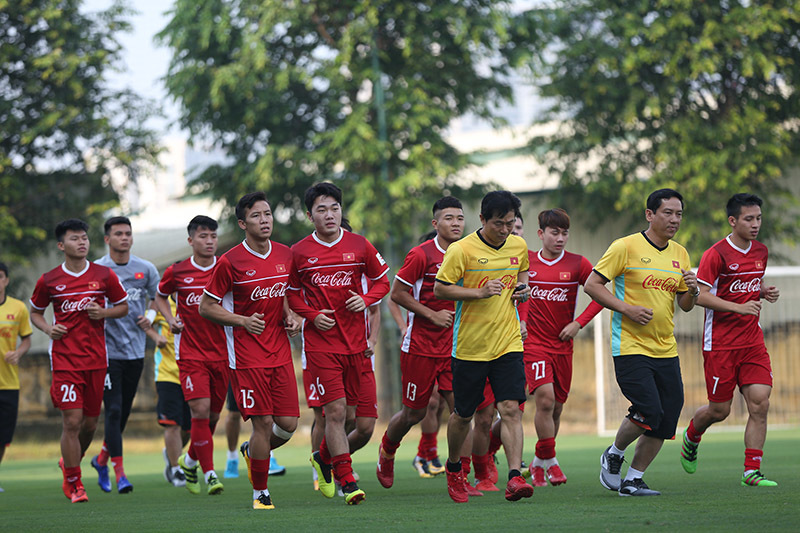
[
  {"x": 124, "y": 486},
  {"x": 274, "y": 468},
  {"x": 231, "y": 468},
  {"x": 102, "y": 475}
]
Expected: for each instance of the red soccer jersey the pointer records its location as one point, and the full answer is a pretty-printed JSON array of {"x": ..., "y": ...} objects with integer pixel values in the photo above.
[
  {"x": 733, "y": 275},
  {"x": 83, "y": 347},
  {"x": 419, "y": 271},
  {"x": 201, "y": 339},
  {"x": 246, "y": 282},
  {"x": 554, "y": 293},
  {"x": 322, "y": 276}
]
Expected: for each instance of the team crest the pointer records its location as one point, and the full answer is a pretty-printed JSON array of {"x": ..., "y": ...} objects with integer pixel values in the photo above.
[
  {"x": 60, "y": 287},
  {"x": 565, "y": 276},
  {"x": 514, "y": 260},
  {"x": 676, "y": 264},
  {"x": 251, "y": 273},
  {"x": 94, "y": 285},
  {"x": 734, "y": 266},
  {"x": 139, "y": 275},
  {"x": 312, "y": 260},
  {"x": 759, "y": 264},
  {"x": 280, "y": 268},
  {"x": 349, "y": 256}
]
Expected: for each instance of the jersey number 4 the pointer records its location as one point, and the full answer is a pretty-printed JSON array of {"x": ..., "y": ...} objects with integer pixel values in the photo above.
[{"x": 188, "y": 384}]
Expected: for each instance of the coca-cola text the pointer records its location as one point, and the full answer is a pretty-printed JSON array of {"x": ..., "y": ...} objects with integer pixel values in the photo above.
[
  {"x": 754, "y": 285},
  {"x": 69, "y": 306},
  {"x": 556, "y": 294},
  {"x": 275, "y": 291},
  {"x": 341, "y": 278},
  {"x": 663, "y": 284}
]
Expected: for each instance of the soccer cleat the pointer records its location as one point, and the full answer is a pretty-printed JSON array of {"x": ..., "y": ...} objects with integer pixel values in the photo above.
[
  {"x": 636, "y": 487},
  {"x": 517, "y": 488},
  {"x": 214, "y": 485},
  {"x": 102, "y": 475},
  {"x": 756, "y": 479},
  {"x": 178, "y": 479},
  {"x": 435, "y": 466},
  {"x": 231, "y": 468},
  {"x": 555, "y": 476},
  {"x": 385, "y": 469},
  {"x": 610, "y": 464},
  {"x": 190, "y": 475},
  {"x": 456, "y": 487},
  {"x": 471, "y": 491},
  {"x": 66, "y": 486},
  {"x": 124, "y": 486},
  {"x": 689, "y": 453},
  {"x": 493, "y": 475},
  {"x": 244, "y": 449},
  {"x": 263, "y": 502},
  {"x": 422, "y": 466},
  {"x": 167, "y": 467},
  {"x": 78, "y": 493},
  {"x": 352, "y": 494},
  {"x": 324, "y": 476},
  {"x": 536, "y": 474},
  {"x": 274, "y": 468},
  {"x": 484, "y": 485}
]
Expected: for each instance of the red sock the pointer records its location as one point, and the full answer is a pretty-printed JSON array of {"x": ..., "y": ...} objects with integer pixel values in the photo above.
[
  {"x": 72, "y": 474},
  {"x": 494, "y": 443},
  {"x": 343, "y": 469},
  {"x": 119, "y": 471},
  {"x": 465, "y": 464},
  {"x": 692, "y": 434},
  {"x": 259, "y": 470},
  {"x": 388, "y": 446},
  {"x": 546, "y": 448},
  {"x": 752, "y": 459},
  {"x": 190, "y": 452},
  {"x": 202, "y": 443},
  {"x": 427, "y": 446},
  {"x": 481, "y": 463},
  {"x": 102, "y": 457},
  {"x": 324, "y": 453}
]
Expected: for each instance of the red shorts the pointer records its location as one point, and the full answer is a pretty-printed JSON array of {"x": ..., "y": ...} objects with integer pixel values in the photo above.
[
  {"x": 725, "y": 369},
  {"x": 78, "y": 389},
  {"x": 541, "y": 369},
  {"x": 266, "y": 391},
  {"x": 336, "y": 375},
  {"x": 205, "y": 379},
  {"x": 368, "y": 395},
  {"x": 310, "y": 388},
  {"x": 420, "y": 374}
]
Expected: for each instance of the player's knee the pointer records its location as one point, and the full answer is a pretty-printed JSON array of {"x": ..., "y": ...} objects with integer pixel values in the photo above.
[
  {"x": 758, "y": 406},
  {"x": 545, "y": 404},
  {"x": 509, "y": 409},
  {"x": 284, "y": 434},
  {"x": 719, "y": 412},
  {"x": 414, "y": 416}
]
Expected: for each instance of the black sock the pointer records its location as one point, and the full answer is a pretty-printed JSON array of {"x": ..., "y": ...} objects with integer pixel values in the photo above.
[
  {"x": 513, "y": 474},
  {"x": 454, "y": 467}
]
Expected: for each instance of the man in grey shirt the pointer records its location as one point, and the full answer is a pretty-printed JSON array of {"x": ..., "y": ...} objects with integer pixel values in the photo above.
[{"x": 125, "y": 342}]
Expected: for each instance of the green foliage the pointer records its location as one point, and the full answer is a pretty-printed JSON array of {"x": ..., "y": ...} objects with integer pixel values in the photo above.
[
  {"x": 63, "y": 130},
  {"x": 286, "y": 89},
  {"x": 698, "y": 96}
]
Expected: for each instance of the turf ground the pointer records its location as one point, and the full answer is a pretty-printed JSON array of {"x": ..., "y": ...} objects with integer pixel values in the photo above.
[{"x": 710, "y": 500}]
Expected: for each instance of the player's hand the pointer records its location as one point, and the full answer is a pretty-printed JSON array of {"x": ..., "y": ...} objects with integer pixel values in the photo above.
[
  {"x": 143, "y": 323},
  {"x": 569, "y": 331},
  {"x": 442, "y": 319},
  {"x": 355, "y": 303},
  {"x": 370, "y": 351},
  {"x": 640, "y": 315},
  {"x": 57, "y": 331},
  {"x": 12, "y": 357},
  {"x": 254, "y": 324},
  {"x": 493, "y": 287},
  {"x": 161, "y": 341},
  {"x": 175, "y": 324},
  {"x": 403, "y": 330},
  {"x": 750, "y": 308},
  {"x": 521, "y": 295},
  {"x": 291, "y": 325},
  {"x": 523, "y": 330},
  {"x": 770, "y": 294},
  {"x": 94, "y": 311},
  {"x": 323, "y": 322},
  {"x": 690, "y": 279}
]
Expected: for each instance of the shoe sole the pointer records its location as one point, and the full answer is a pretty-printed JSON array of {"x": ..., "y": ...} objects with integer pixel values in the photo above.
[
  {"x": 355, "y": 498},
  {"x": 214, "y": 491}
]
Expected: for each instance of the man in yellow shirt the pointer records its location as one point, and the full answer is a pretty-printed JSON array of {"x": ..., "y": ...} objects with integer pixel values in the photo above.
[
  {"x": 486, "y": 274},
  {"x": 14, "y": 322},
  {"x": 648, "y": 271}
]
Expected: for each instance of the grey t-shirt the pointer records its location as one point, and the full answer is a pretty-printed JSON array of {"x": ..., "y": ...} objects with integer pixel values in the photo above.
[{"x": 124, "y": 339}]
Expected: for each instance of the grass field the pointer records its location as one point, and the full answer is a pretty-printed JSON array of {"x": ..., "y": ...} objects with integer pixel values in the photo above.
[{"x": 710, "y": 500}]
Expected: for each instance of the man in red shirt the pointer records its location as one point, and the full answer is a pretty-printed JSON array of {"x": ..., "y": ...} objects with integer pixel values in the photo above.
[
  {"x": 200, "y": 350},
  {"x": 325, "y": 288},
  {"x": 730, "y": 276},
  {"x": 79, "y": 291}
]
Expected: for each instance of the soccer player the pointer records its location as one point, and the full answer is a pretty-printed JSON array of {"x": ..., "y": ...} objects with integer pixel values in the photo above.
[
  {"x": 79, "y": 291},
  {"x": 731, "y": 288},
  {"x": 486, "y": 274},
  {"x": 125, "y": 342},
  {"x": 428, "y": 341},
  {"x": 14, "y": 322},
  {"x": 326, "y": 289},
  {"x": 247, "y": 295},
  {"x": 648, "y": 269},
  {"x": 200, "y": 349}
]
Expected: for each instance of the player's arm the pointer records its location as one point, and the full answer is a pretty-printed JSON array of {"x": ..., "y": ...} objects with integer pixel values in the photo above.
[
  {"x": 686, "y": 300},
  {"x": 54, "y": 331},
  {"x": 96, "y": 312},
  {"x": 401, "y": 296},
  {"x": 211, "y": 309},
  {"x": 162, "y": 306},
  {"x": 595, "y": 287},
  {"x": 712, "y": 301},
  {"x": 770, "y": 294},
  {"x": 13, "y": 356},
  {"x": 374, "y": 329},
  {"x": 291, "y": 320},
  {"x": 571, "y": 330},
  {"x": 397, "y": 315},
  {"x": 159, "y": 339},
  {"x": 447, "y": 291}
]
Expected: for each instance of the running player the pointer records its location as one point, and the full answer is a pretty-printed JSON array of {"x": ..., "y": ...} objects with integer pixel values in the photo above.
[
  {"x": 200, "y": 349},
  {"x": 79, "y": 291},
  {"x": 731, "y": 288},
  {"x": 247, "y": 295},
  {"x": 649, "y": 269},
  {"x": 428, "y": 341},
  {"x": 325, "y": 288},
  {"x": 14, "y": 322},
  {"x": 125, "y": 342}
]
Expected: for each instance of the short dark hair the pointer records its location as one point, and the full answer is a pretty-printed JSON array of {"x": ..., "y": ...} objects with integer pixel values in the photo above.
[
  {"x": 521, "y": 219},
  {"x": 324, "y": 188},
  {"x": 113, "y": 221},
  {"x": 498, "y": 203},
  {"x": 346, "y": 224},
  {"x": 554, "y": 218},
  {"x": 4, "y": 268},
  {"x": 446, "y": 201},
  {"x": 247, "y": 201},
  {"x": 71, "y": 224},
  {"x": 738, "y": 201},
  {"x": 201, "y": 221},
  {"x": 656, "y": 198}
]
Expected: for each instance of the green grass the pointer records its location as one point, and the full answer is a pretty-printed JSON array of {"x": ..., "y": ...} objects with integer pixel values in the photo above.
[{"x": 710, "y": 500}]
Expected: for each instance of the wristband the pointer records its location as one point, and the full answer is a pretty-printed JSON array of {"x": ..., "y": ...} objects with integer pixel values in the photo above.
[{"x": 150, "y": 315}]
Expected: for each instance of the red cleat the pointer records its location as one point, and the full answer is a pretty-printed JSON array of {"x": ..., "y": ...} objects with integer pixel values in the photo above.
[
  {"x": 471, "y": 491},
  {"x": 456, "y": 487},
  {"x": 78, "y": 494},
  {"x": 493, "y": 475},
  {"x": 537, "y": 476},
  {"x": 556, "y": 476},
  {"x": 486, "y": 486},
  {"x": 517, "y": 489},
  {"x": 385, "y": 470},
  {"x": 65, "y": 486}
]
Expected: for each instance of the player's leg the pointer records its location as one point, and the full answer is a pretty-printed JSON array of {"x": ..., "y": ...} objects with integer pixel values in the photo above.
[
  {"x": 170, "y": 410},
  {"x": 755, "y": 433},
  {"x": 258, "y": 451},
  {"x": 317, "y": 434},
  {"x": 9, "y": 407},
  {"x": 112, "y": 421},
  {"x": 131, "y": 373},
  {"x": 479, "y": 451},
  {"x": 429, "y": 428},
  {"x": 366, "y": 411},
  {"x": 544, "y": 422},
  {"x": 71, "y": 423},
  {"x": 233, "y": 427}
]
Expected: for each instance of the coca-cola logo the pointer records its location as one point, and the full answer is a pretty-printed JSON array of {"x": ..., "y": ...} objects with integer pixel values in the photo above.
[
  {"x": 754, "y": 285},
  {"x": 70, "y": 306},
  {"x": 251, "y": 273},
  {"x": 188, "y": 280},
  {"x": 556, "y": 294},
  {"x": 508, "y": 281},
  {"x": 662, "y": 284},
  {"x": 60, "y": 287},
  {"x": 341, "y": 278},
  {"x": 193, "y": 298},
  {"x": 277, "y": 290}
]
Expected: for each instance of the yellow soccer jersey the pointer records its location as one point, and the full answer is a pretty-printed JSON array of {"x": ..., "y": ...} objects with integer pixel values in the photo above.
[
  {"x": 644, "y": 275},
  {"x": 166, "y": 367},
  {"x": 488, "y": 328},
  {"x": 15, "y": 322}
]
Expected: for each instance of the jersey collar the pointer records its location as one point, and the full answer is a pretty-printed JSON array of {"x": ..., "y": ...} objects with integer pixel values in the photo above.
[
  {"x": 260, "y": 256},
  {"x": 75, "y": 274},
  {"x": 550, "y": 262},
  {"x": 328, "y": 244},
  {"x": 438, "y": 246},
  {"x": 654, "y": 244},
  {"x": 484, "y": 241},
  {"x": 744, "y": 251},
  {"x": 204, "y": 269}
]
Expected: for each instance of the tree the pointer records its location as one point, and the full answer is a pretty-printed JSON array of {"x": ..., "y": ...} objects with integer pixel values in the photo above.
[
  {"x": 288, "y": 90},
  {"x": 64, "y": 131},
  {"x": 699, "y": 96}
]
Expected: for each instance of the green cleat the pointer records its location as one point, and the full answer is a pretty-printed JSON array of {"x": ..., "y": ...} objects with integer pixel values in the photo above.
[
  {"x": 192, "y": 484},
  {"x": 352, "y": 494},
  {"x": 324, "y": 476},
  {"x": 214, "y": 485},
  {"x": 689, "y": 454},
  {"x": 756, "y": 479}
]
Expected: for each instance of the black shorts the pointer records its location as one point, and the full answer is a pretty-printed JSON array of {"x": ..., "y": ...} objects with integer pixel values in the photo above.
[
  {"x": 172, "y": 409},
  {"x": 655, "y": 389},
  {"x": 9, "y": 407},
  {"x": 230, "y": 403},
  {"x": 506, "y": 376}
]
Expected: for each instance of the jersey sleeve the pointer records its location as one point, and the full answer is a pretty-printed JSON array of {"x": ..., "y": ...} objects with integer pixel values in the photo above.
[
  {"x": 115, "y": 292},
  {"x": 375, "y": 265},
  {"x": 41, "y": 297},
  {"x": 710, "y": 267},
  {"x": 167, "y": 284},
  {"x": 152, "y": 281},
  {"x": 687, "y": 266},
  {"x": 453, "y": 265},
  {"x": 413, "y": 268},
  {"x": 221, "y": 279},
  {"x": 24, "y": 322},
  {"x": 612, "y": 264}
]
